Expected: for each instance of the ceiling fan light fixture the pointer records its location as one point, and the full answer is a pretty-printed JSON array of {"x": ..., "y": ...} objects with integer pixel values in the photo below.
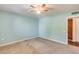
[
  {"x": 38, "y": 12},
  {"x": 40, "y": 8}
]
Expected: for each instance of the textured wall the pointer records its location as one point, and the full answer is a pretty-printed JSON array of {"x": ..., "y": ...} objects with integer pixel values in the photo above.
[{"x": 14, "y": 27}]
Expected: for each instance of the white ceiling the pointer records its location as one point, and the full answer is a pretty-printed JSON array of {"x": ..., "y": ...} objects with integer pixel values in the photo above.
[{"x": 25, "y": 9}]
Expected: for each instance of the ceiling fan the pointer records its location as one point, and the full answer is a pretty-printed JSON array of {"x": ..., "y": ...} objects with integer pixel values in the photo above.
[{"x": 40, "y": 8}]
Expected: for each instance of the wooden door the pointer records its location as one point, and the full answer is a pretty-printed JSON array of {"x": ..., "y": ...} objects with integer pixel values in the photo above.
[
  {"x": 70, "y": 29},
  {"x": 73, "y": 39}
]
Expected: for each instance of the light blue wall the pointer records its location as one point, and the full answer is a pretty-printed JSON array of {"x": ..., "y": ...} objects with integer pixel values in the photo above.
[
  {"x": 14, "y": 27},
  {"x": 54, "y": 27}
]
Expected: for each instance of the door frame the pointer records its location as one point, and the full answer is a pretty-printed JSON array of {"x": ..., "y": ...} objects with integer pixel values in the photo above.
[{"x": 67, "y": 27}]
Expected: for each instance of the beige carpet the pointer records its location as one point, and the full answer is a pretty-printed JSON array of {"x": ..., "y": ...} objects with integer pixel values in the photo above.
[{"x": 37, "y": 46}]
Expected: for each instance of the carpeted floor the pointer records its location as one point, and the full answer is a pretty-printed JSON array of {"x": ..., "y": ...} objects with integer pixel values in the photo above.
[{"x": 38, "y": 46}]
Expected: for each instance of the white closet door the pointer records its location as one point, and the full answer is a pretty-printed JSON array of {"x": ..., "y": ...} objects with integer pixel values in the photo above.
[{"x": 76, "y": 29}]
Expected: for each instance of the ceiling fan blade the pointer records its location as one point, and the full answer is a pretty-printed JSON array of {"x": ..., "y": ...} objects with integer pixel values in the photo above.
[
  {"x": 32, "y": 6},
  {"x": 43, "y": 5}
]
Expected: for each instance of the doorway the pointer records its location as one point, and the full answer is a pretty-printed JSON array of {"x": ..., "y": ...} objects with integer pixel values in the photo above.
[{"x": 72, "y": 31}]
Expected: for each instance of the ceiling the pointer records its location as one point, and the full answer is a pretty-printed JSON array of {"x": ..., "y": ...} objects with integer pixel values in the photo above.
[{"x": 24, "y": 9}]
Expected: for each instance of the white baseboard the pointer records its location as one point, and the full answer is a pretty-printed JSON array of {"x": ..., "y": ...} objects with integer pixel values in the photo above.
[
  {"x": 16, "y": 41},
  {"x": 54, "y": 40},
  {"x": 31, "y": 38}
]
